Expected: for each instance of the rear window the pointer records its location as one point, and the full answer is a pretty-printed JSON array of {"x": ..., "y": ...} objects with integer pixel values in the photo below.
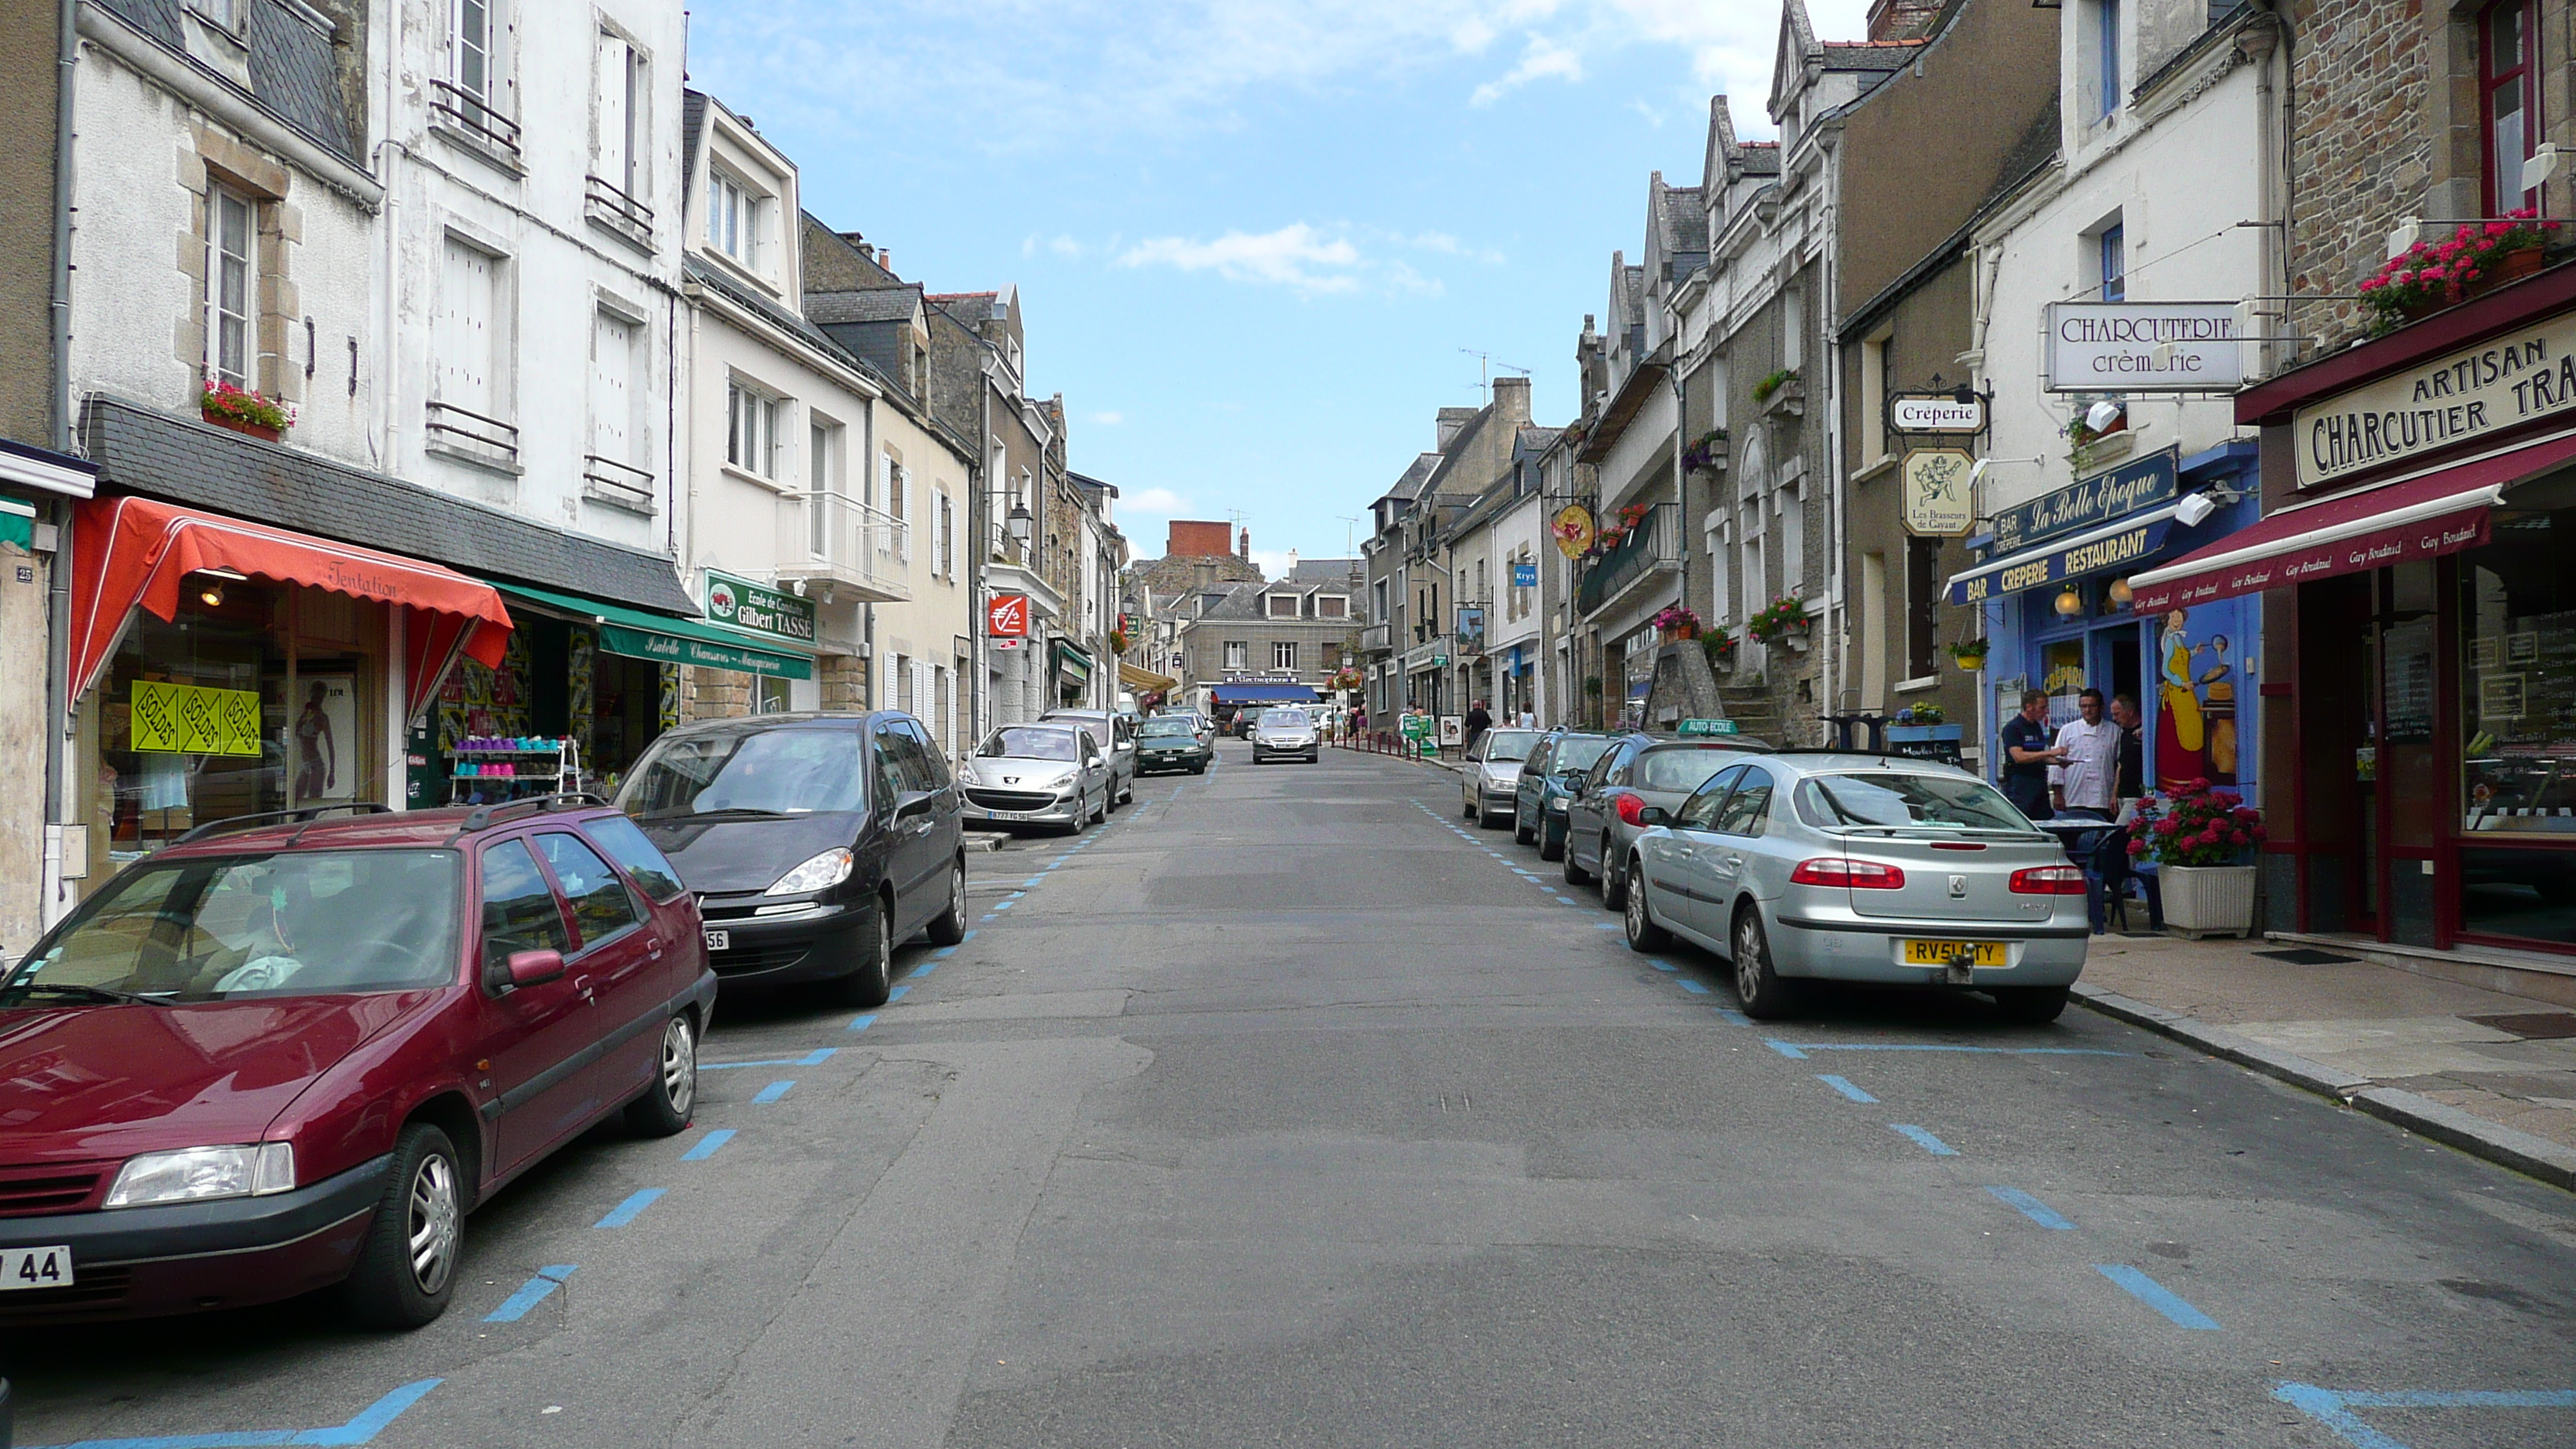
[
  {"x": 1935, "y": 802},
  {"x": 1577, "y": 752},
  {"x": 1508, "y": 745},
  {"x": 1286, "y": 717},
  {"x": 1684, "y": 769},
  {"x": 1156, "y": 729},
  {"x": 758, "y": 771},
  {"x": 627, "y": 846}
]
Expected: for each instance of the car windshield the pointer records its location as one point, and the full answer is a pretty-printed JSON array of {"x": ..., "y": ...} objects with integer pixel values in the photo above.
[
  {"x": 760, "y": 771},
  {"x": 1905, "y": 801},
  {"x": 311, "y": 923},
  {"x": 1156, "y": 729},
  {"x": 1684, "y": 769},
  {"x": 1024, "y": 743},
  {"x": 1292, "y": 718},
  {"x": 1099, "y": 728},
  {"x": 1506, "y": 746},
  {"x": 1577, "y": 752}
]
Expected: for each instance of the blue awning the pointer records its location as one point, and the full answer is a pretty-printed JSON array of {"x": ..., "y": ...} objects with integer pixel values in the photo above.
[
  {"x": 2123, "y": 546},
  {"x": 1261, "y": 694}
]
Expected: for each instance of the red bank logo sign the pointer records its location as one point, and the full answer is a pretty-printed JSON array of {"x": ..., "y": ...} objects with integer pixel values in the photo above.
[{"x": 1008, "y": 617}]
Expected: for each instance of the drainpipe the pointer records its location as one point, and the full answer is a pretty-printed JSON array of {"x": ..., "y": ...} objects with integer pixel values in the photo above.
[{"x": 50, "y": 904}]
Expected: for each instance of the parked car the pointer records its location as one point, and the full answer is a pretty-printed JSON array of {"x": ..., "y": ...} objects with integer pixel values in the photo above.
[
  {"x": 1639, "y": 770},
  {"x": 1115, "y": 734},
  {"x": 1286, "y": 730},
  {"x": 291, "y": 1052},
  {"x": 816, "y": 843},
  {"x": 1548, "y": 781},
  {"x": 1171, "y": 742},
  {"x": 1048, "y": 773},
  {"x": 1806, "y": 867},
  {"x": 1490, "y": 779}
]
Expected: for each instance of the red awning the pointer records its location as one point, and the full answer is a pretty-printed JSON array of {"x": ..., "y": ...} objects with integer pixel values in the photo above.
[
  {"x": 133, "y": 552},
  {"x": 2423, "y": 515}
]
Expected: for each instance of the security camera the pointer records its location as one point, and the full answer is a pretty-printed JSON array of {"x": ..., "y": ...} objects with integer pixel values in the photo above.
[{"x": 2193, "y": 511}]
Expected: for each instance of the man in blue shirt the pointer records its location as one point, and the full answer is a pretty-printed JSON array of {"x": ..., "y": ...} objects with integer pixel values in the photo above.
[{"x": 2029, "y": 750}]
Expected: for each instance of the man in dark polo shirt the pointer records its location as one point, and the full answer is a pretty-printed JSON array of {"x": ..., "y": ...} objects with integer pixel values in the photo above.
[{"x": 2028, "y": 752}]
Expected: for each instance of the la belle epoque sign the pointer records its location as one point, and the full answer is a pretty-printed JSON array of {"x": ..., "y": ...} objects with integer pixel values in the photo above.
[
  {"x": 2139, "y": 483},
  {"x": 2455, "y": 399}
]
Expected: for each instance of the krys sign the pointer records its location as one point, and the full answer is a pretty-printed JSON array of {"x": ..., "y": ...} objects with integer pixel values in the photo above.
[{"x": 758, "y": 609}]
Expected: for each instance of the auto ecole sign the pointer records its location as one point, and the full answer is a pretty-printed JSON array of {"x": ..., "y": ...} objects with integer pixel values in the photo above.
[
  {"x": 758, "y": 609},
  {"x": 1007, "y": 617}
]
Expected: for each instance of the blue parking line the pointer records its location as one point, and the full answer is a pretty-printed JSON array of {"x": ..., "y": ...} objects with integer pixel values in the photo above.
[
  {"x": 2032, "y": 1208},
  {"x": 1032, "y": 882},
  {"x": 897, "y": 994},
  {"x": 768, "y": 1094},
  {"x": 2156, "y": 1296},
  {"x": 1925, "y": 1140},
  {"x": 1693, "y": 987},
  {"x": 924, "y": 969},
  {"x": 810, "y": 1059},
  {"x": 814, "y": 1058},
  {"x": 2333, "y": 1409},
  {"x": 1733, "y": 1017},
  {"x": 864, "y": 1022},
  {"x": 1844, "y": 1086},
  {"x": 988, "y": 917},
  {"x": 629, "y": 1210},
  {"x": 1605, "y": 925},
  {"x": 531, "y": 1293},
  {"x": 1797, "y": 1050},
  {"x": 1663, "y": 965},
  {"x": 708, "y": 1144},
  {"x": 1004, "y": 906}
]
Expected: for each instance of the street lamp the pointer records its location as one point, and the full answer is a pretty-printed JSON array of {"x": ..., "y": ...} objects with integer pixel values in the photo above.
[{"x": 1019, "y": 523}]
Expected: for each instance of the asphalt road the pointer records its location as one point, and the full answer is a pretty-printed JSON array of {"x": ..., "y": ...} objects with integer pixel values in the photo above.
[{"x": 1289, "y": 1109}]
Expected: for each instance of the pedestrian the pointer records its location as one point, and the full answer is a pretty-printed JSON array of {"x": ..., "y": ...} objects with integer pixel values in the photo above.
[
  {"x": 2028, "y": 752},
  {"x": 2129, "y": 774},
  {"x": 2089, "y": 751},
  {"x": 1479, "y": 720}
]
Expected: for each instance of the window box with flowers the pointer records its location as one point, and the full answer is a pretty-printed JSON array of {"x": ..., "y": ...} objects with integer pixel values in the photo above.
[
  {"x": 1676, "y": 622},
  {"x": 2429, "y": 276},
  {"x": 2199, "y": 839},
  {"x": 1720, "y": 647},
  {"x": 1786, "y": 621},
  {"x": 1707, "y": 452},
  {"x": 244, "y": 411}
]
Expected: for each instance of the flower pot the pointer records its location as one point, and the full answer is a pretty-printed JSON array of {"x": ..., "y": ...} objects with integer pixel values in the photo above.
[
  {"x": 2208, "y": 900},
  {"x": 2515, "y": 265},
  {"x": 257, "y": 430},
  {"x": 1971, "y": 663}
]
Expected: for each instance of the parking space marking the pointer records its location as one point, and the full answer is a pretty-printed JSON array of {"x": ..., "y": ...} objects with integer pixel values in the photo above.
[
  {"x": 1844, "y": 1086},
  {"x": 925, "y": 968},
  {"x": 1664, "y": 966},
  {"x": 897, "y": 994},
  {"x": 1733, "y": 1017},
  {"x": 1693, "y": 987},
  {"x": 771, "y": 1093},
  {"x": 2333, "y": 1408},
  {"x": 363, "y": 1429},
  {"x": 631, "y": 1209},
  {"x": 2156, "y": 1296},
  {"x": 1925, "y": 1140},
  {"x": 708, "y": 1144},
  {"x": 1796, "y": 1051},
  {"x": 810, "y": 1059},
  {"x": 2032, "y": 1208},
  {"x": 531, "y": 1293},
  {"x": 864, "y": 1022},
  {"x": 1605, "y": 925}
]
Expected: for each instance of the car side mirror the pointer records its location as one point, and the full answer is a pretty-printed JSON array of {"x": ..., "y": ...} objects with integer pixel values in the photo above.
[
  {"x": 1654, "y": 815},
  {"x": 525, "y": 968},
  {"x": 914, "y": 802}
]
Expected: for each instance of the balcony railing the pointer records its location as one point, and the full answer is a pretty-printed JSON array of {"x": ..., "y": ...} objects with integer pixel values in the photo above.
[
  {"x": 605, "y": 202},
  {"x": 831, "y": 537},
  {"x": 470, "y": 113},
  {"x": 465, "y": 431},
  {"x": 1653, "y": 546},
  {"x": 1378, "y": 638},
  {"x": 622, "y": 484}
]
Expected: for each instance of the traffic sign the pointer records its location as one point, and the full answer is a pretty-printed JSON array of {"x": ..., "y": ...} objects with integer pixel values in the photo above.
[{"x": 1706, "y": 727}]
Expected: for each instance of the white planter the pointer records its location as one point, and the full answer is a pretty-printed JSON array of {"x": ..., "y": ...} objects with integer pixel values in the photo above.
[{"x": 2208, "y": 900}]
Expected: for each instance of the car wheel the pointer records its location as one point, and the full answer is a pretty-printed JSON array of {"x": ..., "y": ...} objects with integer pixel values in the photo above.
[
  {"x": 1128, "y": 795},
  {"x": 873, "y": 982},
  {"x": 1637, "y": 916},
  {"x": 1766, "y": 996},
  {"x": 668, "y": 1104},
  {"x": 1097, "y": 814},
  {"x": 407, "y": 1263},
  {"x": 1614, "y": 880},
  {"x": 1198, "y": 769},
  {"x": 950, "y": 928},
  {"x": 1521, "y": 834},
  {"x": 1575, "y": 874},
  {"x": 1551, "y": 842},
  {"x": 2029, "y": 1005},
  {"x": 1466, "y": 808}
]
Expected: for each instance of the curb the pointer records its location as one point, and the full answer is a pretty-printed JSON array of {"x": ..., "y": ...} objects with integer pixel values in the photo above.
[{"x": 2505, "y": 1146}]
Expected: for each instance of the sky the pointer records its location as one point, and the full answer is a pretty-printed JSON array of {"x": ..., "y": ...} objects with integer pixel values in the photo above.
[{"x": 1257, "y": 242}]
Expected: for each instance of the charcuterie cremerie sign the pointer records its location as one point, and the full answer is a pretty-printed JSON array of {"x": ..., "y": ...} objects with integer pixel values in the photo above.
[{"x": 2471, "y": 394}]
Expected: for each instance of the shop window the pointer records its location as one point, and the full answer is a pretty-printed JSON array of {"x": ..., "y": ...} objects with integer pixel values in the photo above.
[
  {"x": 2509, "y": 109},
  {"x": 2518, "y": 726},
  {"x": 231, "y": 265},
  {"x": 768, "y": 694}
]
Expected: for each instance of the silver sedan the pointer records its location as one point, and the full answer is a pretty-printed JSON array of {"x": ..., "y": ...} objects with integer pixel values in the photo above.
[
  {"x": 1806, "y": 867},
  {"x": 1489, "y": 784},
  {"x": 1038, "y": 774}
]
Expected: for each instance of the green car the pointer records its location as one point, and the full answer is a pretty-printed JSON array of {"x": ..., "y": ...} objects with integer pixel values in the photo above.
[{"x": 1169, "y": 742}]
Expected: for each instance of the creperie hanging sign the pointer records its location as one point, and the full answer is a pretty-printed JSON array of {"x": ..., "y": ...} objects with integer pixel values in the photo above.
[
  {"x": 1007, "y": 617},
  {"x": 2479, "y": 391}
]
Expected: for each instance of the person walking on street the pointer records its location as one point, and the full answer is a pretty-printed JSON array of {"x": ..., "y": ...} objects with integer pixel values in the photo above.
[
  {"x": 2028, "y": 752},
  {"x": 2088, "y": 748},
  {"x": 1478, "y": 721}
]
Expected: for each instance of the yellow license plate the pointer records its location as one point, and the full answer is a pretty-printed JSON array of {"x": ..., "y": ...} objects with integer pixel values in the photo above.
[{"x": 1942, "y": 953}]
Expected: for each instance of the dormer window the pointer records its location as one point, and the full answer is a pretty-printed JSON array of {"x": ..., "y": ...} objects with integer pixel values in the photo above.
[
  {"x": 1283, "y": 606},
  {"x": 1332, "y": 606},
  {"x": 733, "y": 217}
]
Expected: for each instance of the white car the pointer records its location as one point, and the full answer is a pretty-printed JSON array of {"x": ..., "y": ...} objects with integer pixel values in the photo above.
[
  {"x": 1489, "y": 784},
  {"x": 1288, "y": 731}
]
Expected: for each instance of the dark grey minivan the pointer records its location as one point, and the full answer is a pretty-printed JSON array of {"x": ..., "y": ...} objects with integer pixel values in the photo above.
[{"x": 815, "y": 843}]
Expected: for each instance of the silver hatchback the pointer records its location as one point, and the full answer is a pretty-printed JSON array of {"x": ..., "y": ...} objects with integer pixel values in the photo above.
[
  {"x": 1286, "y": 731},
  {"x": 1806, "y": 867},
  {"x": 1489, "y": 782}
]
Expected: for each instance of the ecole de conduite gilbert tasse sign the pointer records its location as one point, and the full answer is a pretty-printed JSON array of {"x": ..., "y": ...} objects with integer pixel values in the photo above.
[{"x": 2458, "y": 398}]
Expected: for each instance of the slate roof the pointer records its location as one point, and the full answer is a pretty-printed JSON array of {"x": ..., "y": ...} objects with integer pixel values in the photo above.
[
  {"x": 1760, "y": 158},
  {"x": 1871, "y": 54},
  {"x": 1410, "y": 485},
  {"x": 714, "y": 280},
  {"x": 693, "y": 120},
  {"x": 1244, "y": 602},
  {"x": 1324, "y": 571},
  {"x": 1683, "y": 219},
  {"x": 291, "y": 71},
  {"x": 197, "y": 465},
  {"x": 874, "y": 304},
  {"x": 972, "y": 308}
]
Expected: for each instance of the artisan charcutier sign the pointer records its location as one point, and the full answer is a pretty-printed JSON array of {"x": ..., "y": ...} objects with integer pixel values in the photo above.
[{"x": 2473, "y": 393}]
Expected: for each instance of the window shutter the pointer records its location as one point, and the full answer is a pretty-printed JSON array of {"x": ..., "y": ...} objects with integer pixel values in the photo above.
[
  {"x": 612, "y": 152},
  {"x": 465, "y": 343},
  {"x": 612, "y": 387}
]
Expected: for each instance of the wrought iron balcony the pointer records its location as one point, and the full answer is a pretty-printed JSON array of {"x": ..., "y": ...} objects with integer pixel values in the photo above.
[
  {"x": 455, "y": 106},
  {"x": 622, "y": 484},
  {"x": 1654, "y": 546},
  {"x": 1378, "y": 639}
]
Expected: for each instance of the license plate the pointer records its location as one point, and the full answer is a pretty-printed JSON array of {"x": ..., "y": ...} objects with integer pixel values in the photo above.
[
  {"x": 1006, "y": 814},
  {"x": 35, "y": 1268},
  {"x": 719, "y": 940},
  {"x": 1942, "y": 953}
]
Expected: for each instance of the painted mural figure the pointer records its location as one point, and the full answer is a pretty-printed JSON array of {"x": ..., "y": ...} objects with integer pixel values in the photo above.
[{"x": 2196, "y": 724}]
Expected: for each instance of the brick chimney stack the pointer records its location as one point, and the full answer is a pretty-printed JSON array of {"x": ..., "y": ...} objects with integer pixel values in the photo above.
[
  {"x": 1902, "y": 19},
  {"x": 1246, "y": 550}
]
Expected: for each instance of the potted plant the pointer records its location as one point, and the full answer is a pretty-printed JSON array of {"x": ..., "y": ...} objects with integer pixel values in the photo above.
[
  {"x": 1969, "y": 655},
  {"x": 1785, "y": 621},
  {"x": 1772, "y": 383},
  {"x": 1706, "y": 451},
  {"x": 2199, "y": 839},
  {"x": 1719, "y": 646},
  {"x": 1676, "y": 622},
  {"x": 2429, "y": 276},
  {"x": 244, "y": 411}
]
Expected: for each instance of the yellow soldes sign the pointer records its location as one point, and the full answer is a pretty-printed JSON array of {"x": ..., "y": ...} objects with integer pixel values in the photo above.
[
  {"x": 2527, "y": 374},
  {"x": 187, "y": 719}
]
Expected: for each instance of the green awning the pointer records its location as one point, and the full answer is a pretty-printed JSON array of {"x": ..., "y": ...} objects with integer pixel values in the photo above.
[
  {"x": 668, "y": 640},
  {"x": 1072, "y": 662},
  {"x": 18, "y": 523}
]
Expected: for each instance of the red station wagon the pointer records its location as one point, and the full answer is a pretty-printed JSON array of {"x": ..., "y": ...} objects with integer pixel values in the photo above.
[{"x": 293, "y": 1052}]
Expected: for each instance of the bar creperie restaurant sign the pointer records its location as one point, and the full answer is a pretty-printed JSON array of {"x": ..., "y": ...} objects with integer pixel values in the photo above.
[
  {"x": 1007, "y": 617},
  {"x": 2450, "y": 400}
]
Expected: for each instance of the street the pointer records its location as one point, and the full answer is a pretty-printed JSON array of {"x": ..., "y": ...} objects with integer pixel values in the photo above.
[{"x": 1287, "y": 1108}]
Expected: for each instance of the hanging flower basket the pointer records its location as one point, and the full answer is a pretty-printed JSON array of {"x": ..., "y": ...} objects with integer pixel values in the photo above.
[
  {"x": 1970, "y": 656},
  {"x": 243, "y": 410},
  {"x": 1785, "y": 620}
]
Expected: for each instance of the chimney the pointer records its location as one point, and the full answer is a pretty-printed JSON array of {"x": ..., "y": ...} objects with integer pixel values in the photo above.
[
  {"x": 885, "y": 259},
  {"x": 1450, "y": 421},
  {"x": 1902, "y": 19},
  {"x": 1292, "y": 562},
  {"x": 1246, "y": 550},
  {"x": 1512, "y": 399}
]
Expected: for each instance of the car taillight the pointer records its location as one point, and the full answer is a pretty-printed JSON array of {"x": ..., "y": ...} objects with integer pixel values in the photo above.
[
  {"x": 1632, "y": 810},
  {"x": 1860, "y": 875},
  {"x": 2049, "y": 880}
]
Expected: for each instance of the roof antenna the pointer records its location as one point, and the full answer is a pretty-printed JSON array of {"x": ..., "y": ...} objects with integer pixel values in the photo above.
[{"x": 1485, "y": 364}]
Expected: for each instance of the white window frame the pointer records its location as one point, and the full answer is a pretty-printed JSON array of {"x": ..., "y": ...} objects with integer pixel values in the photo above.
[
  {"x": 621, "y": 113},
  {"x": 1270, "y": 606},
  {"x": 733, "y": 217},
  {"x": 1283, "y": 654},
  {"x": 824, "y": 442},
  {"x": 242, "y": 311},
  {"x": 1238, "y": 654},
  {"x": 465, "y": 45},
  {"x": 754, "y": 418}
]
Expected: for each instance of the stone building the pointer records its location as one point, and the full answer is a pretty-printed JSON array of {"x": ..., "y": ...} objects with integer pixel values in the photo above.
[
  {"x": 1295, "y": 630},
  {"x": 1413, "y": 658}
]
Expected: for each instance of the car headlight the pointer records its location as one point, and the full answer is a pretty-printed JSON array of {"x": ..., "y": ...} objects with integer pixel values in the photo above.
[
  {"x": 826, "y": 870},
  {"x": 1557, "y": 804},
  {"x": 200, "y": 1174}
]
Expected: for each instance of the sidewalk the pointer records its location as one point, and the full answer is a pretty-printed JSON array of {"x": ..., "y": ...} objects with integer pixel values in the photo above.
[{"x": 2492, "y": 1074}]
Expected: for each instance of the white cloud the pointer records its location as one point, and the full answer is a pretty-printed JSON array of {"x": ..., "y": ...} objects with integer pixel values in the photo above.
[
  {"x": 1274, "y": 562},
  {"x": 1109, "y": 420},
  {"x": 1065, "y": 246},
  {"x": 1296, "y": 256},
  {"x": 1542, "y": 58},
  {"x": 1153, "y": 503}
]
